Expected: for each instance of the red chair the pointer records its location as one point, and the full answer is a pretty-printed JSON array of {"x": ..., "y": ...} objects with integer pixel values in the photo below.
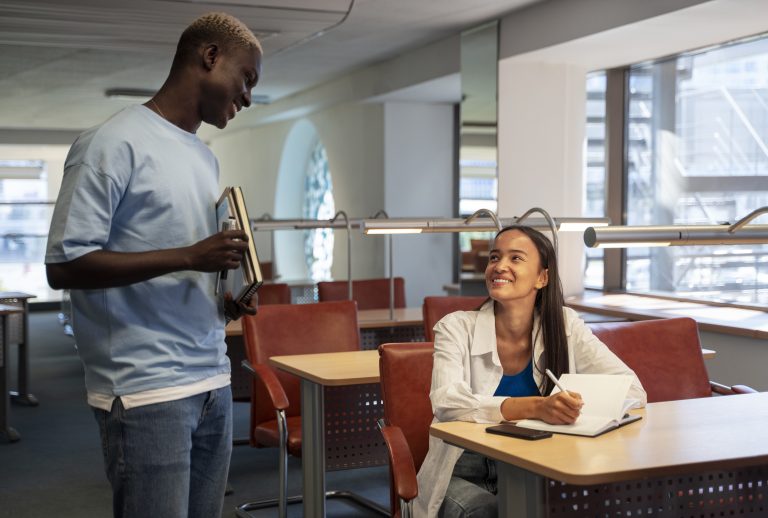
[
  {"x": 666, "y": 356},
  {"x": 406, "y": 377},
  {"x": 435, "y": 308},
  {"x": 279, "y": 293},
  {"x": 369, "y": 293},
  {"x": 276, "y": 405},
  {"x": 241, "y": 380}
]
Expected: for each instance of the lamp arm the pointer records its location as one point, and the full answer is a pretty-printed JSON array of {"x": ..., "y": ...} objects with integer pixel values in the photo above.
[
  {"x": 547, "y": 217},
  {"x": 485, "y": 212},
  {"x": 343, "y": 214},
  {"x": 746, "y": 219}
]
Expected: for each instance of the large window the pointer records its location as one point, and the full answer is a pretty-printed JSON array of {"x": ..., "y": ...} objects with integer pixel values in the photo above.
[
  {"x": 25, "y": 215},
  {"x": 696, "y": 152}
]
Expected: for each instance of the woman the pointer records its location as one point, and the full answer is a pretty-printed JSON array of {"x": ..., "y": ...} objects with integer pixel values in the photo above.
[{"x": 489, "y": 366}]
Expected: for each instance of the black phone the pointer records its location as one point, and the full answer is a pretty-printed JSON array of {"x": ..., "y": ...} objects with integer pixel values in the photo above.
[{"x": 518, "y": 431}]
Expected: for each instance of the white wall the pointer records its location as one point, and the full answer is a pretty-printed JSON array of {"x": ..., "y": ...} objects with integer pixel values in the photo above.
[
  {"x": 418, "y": 178},
  {"x": 739, "y": 360},
  {"x": 540, "y": 140},
  {"x": 250, "y": 158}
]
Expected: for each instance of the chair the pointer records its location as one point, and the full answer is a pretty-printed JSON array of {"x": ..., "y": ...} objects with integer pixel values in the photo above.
[
  {"x": 278, "y": 293},
  {"x": 406, "y": 377},
  {"x": 275, "y": 406},
  {"x": 369, "y": 293},
  {"x": 666, "y": 356},
  {"x": 241, "y": 380},
  {"x": 435, "y": 308}
]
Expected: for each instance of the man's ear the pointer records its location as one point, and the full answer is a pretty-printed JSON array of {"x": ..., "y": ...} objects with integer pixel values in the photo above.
[{"x": 211, "y": 55}]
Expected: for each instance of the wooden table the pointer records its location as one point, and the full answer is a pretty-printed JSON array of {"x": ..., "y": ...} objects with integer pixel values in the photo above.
[
  {"x": 321, "y": 373},
  {"x": 19, "y": 335},
  {"x": 6, "y": 312},
  {"x": 717, "y": 443}
]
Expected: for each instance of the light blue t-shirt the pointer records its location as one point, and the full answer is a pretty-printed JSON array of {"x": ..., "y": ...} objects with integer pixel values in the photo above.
[{"x": 139, "y": 183}]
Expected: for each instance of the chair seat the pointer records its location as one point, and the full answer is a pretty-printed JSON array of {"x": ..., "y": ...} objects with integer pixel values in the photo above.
[{"x": 265, "y": 435}]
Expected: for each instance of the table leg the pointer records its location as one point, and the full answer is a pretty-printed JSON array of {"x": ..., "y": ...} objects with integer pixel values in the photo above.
[
  {"x": 6, "y": 430},
  {"x": 521, "y": 492},
  {"x": 23, "y": 397},
  {"x": 313, "y": 448}
]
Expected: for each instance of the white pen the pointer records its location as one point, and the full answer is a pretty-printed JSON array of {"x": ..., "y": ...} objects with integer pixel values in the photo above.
[{"x": 556, "y": 382}]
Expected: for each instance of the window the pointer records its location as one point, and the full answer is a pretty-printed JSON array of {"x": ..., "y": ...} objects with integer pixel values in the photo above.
[
  {"x": 25, "y": 215},
  {"x": 696, "y": 153},
  {"x": 594, "y": 172},
  {"x": 318, "y": 204}
]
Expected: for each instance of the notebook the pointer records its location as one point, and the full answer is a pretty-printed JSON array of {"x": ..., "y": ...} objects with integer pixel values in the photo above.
[
  {"x": 605, "y": 404},
  {"x": 244, "y": 281}
]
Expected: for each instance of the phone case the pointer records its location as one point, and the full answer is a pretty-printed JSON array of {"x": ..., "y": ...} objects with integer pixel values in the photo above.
[{"x": 518, "y": 431}]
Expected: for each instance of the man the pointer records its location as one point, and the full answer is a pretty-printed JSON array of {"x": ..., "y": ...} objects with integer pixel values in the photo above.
[{"x": 134, "y": 237}]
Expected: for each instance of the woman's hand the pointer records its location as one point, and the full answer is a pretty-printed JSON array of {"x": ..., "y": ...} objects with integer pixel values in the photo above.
[{"x": 560, "y": 408}]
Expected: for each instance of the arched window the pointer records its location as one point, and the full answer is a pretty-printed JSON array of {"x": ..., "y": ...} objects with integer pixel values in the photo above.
[
  {"x": 318, "y": 204},
  {"x": 304, "y": 190}
]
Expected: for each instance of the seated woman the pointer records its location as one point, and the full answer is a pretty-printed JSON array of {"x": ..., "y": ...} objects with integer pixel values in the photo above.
[{"x": 489, "y": 366}]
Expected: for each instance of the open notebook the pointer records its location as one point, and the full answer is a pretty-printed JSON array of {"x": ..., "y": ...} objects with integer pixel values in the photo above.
[{"x": 605, "y": 404}]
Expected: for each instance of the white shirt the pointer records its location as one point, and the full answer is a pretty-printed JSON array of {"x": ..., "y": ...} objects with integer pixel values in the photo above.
[{"x": 467, "y": 371}]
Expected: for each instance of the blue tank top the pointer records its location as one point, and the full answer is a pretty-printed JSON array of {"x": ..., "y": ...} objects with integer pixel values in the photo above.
[{"x": 521, "y": 384}]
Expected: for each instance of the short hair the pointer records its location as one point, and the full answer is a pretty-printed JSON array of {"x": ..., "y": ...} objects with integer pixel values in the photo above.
[{"x": 221, "y": 28}]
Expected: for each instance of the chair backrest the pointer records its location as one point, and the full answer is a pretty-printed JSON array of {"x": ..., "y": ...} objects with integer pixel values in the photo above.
[
  {"x": 369, "y": 293},
  {"x": 435, "y": 308},
  {"x": 665, "y": 354},
  {"x": 406, "y": 377},
  {"x": 279, "y": 293},
  {"x": 285, "y": 329}
]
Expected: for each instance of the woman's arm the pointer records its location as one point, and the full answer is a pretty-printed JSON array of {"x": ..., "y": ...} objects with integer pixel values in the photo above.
[
  {"x": 452, "y": 396},
  {"x": 560, "y": 408}
]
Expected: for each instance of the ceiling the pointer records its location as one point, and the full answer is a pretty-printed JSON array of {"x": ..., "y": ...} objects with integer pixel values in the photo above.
[{"x": 58, "y": 57}]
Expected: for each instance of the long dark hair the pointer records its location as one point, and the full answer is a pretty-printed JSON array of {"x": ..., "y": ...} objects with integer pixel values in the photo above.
[{"x": 549, "y": 304}]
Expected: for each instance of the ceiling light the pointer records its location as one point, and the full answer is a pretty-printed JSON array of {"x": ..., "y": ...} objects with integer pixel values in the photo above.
[{"x": 679, "y": 235}]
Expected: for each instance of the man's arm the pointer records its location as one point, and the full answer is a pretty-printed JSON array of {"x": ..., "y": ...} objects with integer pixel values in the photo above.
[{"x": 107, "y": 269}]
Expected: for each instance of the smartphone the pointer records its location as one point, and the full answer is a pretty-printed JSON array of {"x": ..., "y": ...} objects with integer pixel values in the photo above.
[{"x": 518, "y": 431}]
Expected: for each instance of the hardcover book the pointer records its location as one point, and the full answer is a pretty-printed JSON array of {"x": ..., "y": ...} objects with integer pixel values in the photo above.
[{"x": 231, "y": 214}]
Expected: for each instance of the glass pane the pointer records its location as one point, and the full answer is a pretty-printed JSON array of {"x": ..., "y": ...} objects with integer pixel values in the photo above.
[
  {"x": 25, "y": 216},
  {"x": 697, "y": 154},
  {"x": 318, "y": 204},
  {"x": 594, "y": 172}
]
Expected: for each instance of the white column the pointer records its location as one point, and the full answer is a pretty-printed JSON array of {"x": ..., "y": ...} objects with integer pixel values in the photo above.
[{"x": 541, "y": 144}]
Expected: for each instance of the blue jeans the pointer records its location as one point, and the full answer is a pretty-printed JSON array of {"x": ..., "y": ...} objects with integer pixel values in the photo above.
[
  {"x": 169, "y": 459},
  {"x": 472, "y": 490}
]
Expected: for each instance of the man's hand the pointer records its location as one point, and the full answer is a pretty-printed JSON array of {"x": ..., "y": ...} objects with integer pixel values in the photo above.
[
  {"x": 234, "y": 310},
  {"x": 221, "y": 251}
]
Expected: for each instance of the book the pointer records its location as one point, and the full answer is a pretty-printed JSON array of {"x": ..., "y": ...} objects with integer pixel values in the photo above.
[
  {"x": 605, "y": 404},
  {"x": 242, "y": 282}
]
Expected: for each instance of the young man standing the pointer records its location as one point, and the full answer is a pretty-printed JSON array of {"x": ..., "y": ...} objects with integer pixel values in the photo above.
[{"x": 134, "y": 237}]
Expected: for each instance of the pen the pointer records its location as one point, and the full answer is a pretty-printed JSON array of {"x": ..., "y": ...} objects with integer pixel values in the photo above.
[{"x": 556, "y": 382}]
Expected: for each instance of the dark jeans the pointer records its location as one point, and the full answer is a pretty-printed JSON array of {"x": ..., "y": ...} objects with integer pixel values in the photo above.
[{"x": 472, "y": 490}]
